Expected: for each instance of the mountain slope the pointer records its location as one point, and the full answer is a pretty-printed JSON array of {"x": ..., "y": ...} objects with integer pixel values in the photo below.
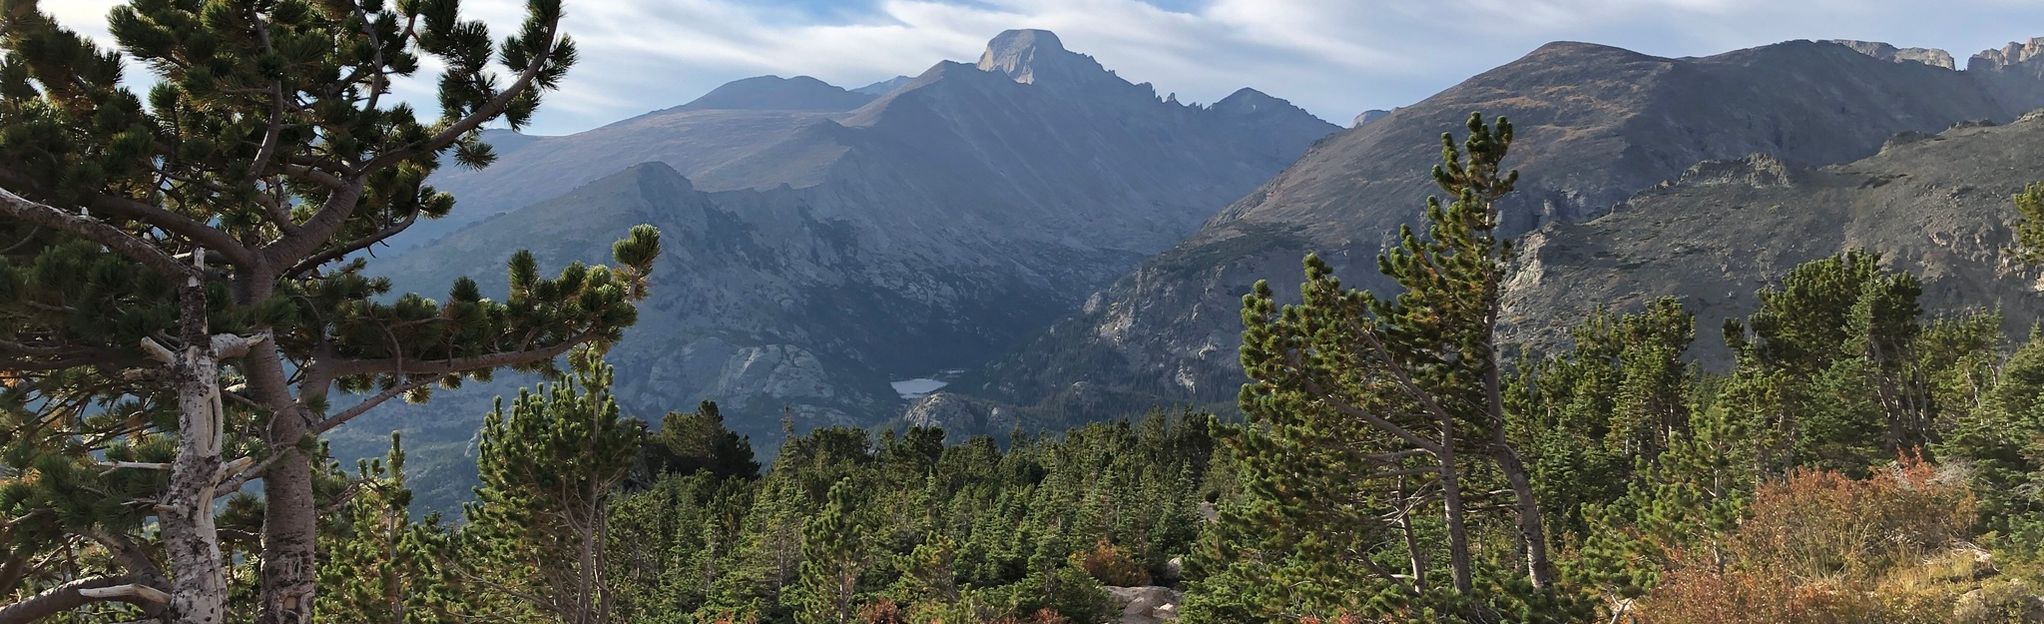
[
  {"x": 931, "y": 229},
  {"x": 1935, "y": 205},
  {"x": 736, "y": 136},
  {"x": 1594, "y": 125}
]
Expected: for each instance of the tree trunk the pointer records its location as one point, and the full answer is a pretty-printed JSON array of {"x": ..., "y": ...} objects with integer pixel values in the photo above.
[
  {"x": 1452, "y": 512},
  {"x": 1415, "y": 556},
  {"x": 586, "y": 581},
  {"x": 1532, "y": 533},
  {"x": 198, "y": 580},
  {"x": 290, "y": 515},
  {"x": 290, "y": 518}
]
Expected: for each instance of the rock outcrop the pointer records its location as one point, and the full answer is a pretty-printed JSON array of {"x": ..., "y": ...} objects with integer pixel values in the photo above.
[
  {"x": 1146, "y": 605},
  {"x": 1928, "y": 56},
  {"x": 1024, "y": 54},
  {"x": 2014, "y": 73},
  {"x": 1938, "y": 206},
  {"x": 2015, "y": 53}
]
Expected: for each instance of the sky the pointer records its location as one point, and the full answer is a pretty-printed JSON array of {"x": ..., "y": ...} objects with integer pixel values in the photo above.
[{"x": 1335, "y": 58}]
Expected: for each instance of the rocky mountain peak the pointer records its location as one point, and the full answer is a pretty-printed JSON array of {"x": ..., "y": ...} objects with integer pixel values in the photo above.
[
  {"x": 1369, "y": 116},
  {"x": 1886, "y": 52},
  {"x": 2015, "y": 53},
  {"x": 1027, "y": 55},
  {"x": 1247, "y": 101}
]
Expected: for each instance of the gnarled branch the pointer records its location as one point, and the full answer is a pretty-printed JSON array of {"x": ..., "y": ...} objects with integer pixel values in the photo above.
[
  {"x": 21, "y": 208},
  {"x": 83, "y": 592}
]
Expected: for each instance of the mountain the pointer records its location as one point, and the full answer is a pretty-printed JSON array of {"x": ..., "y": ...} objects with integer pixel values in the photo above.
[
  {"x": 1928, "y": 56},
  {"x": 740, "y": 135},
  {"x": 800, "y": 93},
  {"x": 1936, "y": 205},
  {"x": 2014, "y": 73},
  {"x": 1369, "y": 116},
  {"x": 885, "y": 86},
  {"x": 1595, "y": 125},
  {"x": 815, "y": 257}
]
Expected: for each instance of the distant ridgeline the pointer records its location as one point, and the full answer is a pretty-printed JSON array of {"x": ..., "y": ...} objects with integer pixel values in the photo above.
[
  {"x": 824, "y": 243},
  {"x": 1623, "y": 200},
  {"x": 831, "y": 244}
]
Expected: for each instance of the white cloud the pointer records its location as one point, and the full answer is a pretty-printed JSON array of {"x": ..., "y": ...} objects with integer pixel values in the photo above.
[{"x": 1335, "y": 57}]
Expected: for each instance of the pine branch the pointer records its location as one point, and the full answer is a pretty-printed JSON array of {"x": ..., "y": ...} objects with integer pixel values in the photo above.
[
  {"x": 367, "y": 404},
  {"x": 243, "y": 472},
  {"x": 1375, "y": 420},
  {"x": 23, "y": 209},
  {"x": 359, "y": 244},
  {"x": 206, "y": 236},
  {"x": 475, "y": 119}
]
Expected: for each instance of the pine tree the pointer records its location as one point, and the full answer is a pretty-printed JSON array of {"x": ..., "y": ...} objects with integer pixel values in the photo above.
[
  {"x": 2002, "y": 443},
  {"x": 833, "y": 556},
  {"x": 1688, "y": 500},
  {"x": 930, "y": 573},
  {"x": 73, "y": 523},
  {"x": 1831, "y": 361},
  {"x": 381, "y": 566},
  {"x": 200, "y": 256},
  {"x": 698, "y": 441},
  {"x": 1359, "y": 403},
  {"x": 548, "y": 467},
  {"x": 769, "y": 554},
  {"x": 2029, "y": 234},
  {"x": 1615, "y": 401}
]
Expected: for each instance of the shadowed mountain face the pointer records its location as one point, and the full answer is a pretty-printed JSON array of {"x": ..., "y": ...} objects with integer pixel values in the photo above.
[
  {"x": 1594, "y": 125},
  {"x": 812, "y": 257}
]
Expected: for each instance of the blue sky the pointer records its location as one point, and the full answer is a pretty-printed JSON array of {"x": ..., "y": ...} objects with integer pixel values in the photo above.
[{"x": 1336, "y": 58}]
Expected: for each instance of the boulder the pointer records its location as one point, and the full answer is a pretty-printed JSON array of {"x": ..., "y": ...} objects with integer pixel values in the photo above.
[{"x": 1146, "y": 605}]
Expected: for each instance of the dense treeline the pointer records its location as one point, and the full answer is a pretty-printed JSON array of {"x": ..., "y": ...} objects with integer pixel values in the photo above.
[
  {"x": 1861, "y": 462},
  {"x": 845, "y": 526},
  {"x": 182, "y": 301}
]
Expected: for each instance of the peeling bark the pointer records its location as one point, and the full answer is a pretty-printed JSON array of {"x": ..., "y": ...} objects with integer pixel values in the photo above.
[{"x": 198, "y": 585}]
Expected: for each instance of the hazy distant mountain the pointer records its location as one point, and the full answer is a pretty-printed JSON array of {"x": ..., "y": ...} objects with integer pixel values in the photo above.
[
  {"x": 814, "y": 257},
  {"x": 1369, "y": 116},
  {"x": 884, "y": 86},
  {"x": 800, "y": 93},
  {"x": 1937, "y": 205},
  {"x": 1594, "y": 124}
]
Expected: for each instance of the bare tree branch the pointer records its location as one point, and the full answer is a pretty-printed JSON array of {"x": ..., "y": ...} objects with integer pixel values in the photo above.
[
  {"x": 410, "y": 367},
  {"x": 79, "y": 593}
]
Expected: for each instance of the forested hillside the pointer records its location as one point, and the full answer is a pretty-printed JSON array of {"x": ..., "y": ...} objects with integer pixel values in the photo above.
[{"x": 189, "y": 325}]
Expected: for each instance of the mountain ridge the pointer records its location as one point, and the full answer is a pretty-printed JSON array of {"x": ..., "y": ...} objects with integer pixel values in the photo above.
[
  {"x": 927, "y": 229},
  {"x": 1595, "y": 124}
]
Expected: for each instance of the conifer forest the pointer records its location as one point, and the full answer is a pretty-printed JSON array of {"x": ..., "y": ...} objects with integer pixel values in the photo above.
[{"x": 1537, "y": 380}]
